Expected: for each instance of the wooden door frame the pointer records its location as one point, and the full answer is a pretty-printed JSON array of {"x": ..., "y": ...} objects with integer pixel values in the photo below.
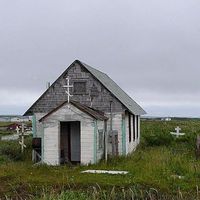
[{"x": 69, "y": 139}]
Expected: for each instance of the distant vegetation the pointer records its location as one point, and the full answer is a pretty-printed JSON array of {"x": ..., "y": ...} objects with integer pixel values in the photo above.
[
  {"x": 163, "y": 167},
  {"x": 5, "y": 124},
  {"x": 4, "y": 127}
]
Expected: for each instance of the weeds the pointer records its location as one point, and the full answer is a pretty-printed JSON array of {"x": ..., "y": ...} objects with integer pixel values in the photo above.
[
  {"x": 155, "y": 171},
  {"x": 10, "y": 151},
  {"x": 115, "y": 193}
]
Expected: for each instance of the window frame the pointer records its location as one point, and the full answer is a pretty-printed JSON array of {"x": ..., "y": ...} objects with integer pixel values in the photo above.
[
  {"x": 129, "y": 125},
  {"x": 137, "y": 126},
  {"x": 133, "y": 125}
]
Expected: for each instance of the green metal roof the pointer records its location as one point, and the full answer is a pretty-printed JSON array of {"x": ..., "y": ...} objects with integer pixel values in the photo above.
[{"x": 124, "y": 98}]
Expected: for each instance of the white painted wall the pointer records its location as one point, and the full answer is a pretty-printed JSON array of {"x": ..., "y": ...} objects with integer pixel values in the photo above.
[
  {"x": 39, "y": 126},
  {"x": 51, "y": 145},
  {"x": 100, "y": 151},
  {"x": 87, "y": 141},
  {"x": 117, "y": 125},
  {"x": 52, "y": 134},
  {"x": 131, "y": 146},
  {"x": 139, "y": 128}
]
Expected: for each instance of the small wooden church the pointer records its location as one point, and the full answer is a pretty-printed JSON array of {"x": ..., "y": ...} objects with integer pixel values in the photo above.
[{"x": 83, "y": 117}]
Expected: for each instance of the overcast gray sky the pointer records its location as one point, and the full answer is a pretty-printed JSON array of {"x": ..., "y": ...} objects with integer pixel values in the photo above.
[{"x": 151, "y": 48}]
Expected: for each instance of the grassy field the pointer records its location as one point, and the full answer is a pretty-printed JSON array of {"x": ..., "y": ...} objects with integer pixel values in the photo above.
[
  {"x": 161, "y": 168},
  {"x": 4, "y": 124}
]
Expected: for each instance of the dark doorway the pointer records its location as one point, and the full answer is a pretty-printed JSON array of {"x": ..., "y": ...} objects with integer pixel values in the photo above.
[{"x": 70, "y": 142}]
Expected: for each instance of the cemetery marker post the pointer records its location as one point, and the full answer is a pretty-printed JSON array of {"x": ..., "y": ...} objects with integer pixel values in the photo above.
[
  {"x": 22, "y": 139},
  {"x": 177, "y": 133},
  {"x": 198, "y": 147},
  {"x": 17, "y": 129}
]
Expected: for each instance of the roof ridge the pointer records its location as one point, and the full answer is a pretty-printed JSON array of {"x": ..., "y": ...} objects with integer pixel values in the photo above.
[{"x": 91, "y": 67}]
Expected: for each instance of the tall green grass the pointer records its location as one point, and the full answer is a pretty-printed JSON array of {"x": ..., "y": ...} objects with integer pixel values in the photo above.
[
  {"x": 10, "y": 151},
  {"x": 95, "y": 192},
  {"x": 165, "y": 170}
]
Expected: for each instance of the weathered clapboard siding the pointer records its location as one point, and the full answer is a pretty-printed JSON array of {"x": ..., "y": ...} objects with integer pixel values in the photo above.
[
  {"x": 139, "y": 134},
  {"x": 116, "y": 125},
  {"x": 100, "y": 151},
  {"x": 39, "y": 126},
  {"x": 55, "y": 95},
  {"x": 52, "y": 135},
  {"x": 131, "y": 146},
  {"x": 51, "y": 145},
  {"x": 87, "y": 138}
]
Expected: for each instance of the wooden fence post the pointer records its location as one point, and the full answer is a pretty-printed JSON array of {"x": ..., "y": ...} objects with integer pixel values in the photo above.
[{"x": 198, "y": 147}]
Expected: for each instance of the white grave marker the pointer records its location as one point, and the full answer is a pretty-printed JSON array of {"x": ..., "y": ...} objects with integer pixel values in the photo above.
[
  {"x": 17, "y": 129},
  {"x": 22, "y": 139},
  {"x": 177, "y": 133},
  {"x": 198, "y": 147}
]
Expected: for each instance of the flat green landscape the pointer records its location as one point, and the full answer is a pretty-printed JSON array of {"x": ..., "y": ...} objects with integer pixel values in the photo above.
[{"x": 162, "y": 167}]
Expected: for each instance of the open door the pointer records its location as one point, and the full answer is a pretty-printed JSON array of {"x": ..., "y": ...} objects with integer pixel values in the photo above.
[{"x": 70, "y": 142}]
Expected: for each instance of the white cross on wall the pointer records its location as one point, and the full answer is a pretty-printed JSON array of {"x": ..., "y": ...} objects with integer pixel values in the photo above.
[
  {"x": 177, "y": 133},
  {"x": 68, "y": 86}
]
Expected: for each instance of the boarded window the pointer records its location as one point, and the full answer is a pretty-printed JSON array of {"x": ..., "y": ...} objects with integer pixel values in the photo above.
[
  {"x": 137, "y": 128},
  {"x": 133, "y": 127},
  {"x": 129, "y": 126},
  {"x": 80, "y": 87},
  {"x": 100, "y": 133}
]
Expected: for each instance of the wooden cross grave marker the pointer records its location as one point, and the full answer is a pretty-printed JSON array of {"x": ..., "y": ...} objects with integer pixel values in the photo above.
[
  {"x": 177, "y": 133},
  {"x": 198, "y": 147},
  {"x": 22, "y": 138},
  {"x": 17, "y": 129}
]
